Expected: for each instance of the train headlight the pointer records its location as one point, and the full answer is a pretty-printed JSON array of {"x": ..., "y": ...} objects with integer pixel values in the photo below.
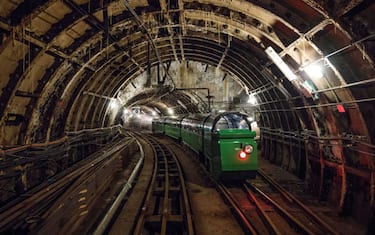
[
  {"x": 242, "y": 155},
  {"x": 248, "y": 149}
]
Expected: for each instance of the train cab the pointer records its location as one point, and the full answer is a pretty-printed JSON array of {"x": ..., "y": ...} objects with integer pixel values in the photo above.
[{"x": 229, "y": 146}]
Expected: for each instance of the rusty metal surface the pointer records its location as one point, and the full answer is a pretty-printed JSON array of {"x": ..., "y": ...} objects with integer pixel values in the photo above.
[{"x": 52, "y": 51}]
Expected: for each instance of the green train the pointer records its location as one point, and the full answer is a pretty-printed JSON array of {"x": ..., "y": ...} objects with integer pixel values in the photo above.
[{"x": 224, "y": 142}]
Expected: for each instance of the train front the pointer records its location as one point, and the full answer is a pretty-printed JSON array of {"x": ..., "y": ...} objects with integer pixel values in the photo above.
[{"x": 233, "y": 147}]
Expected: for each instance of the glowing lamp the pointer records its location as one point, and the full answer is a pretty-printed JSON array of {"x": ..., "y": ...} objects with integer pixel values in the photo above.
[
  {"x": 340, "y": 108},
  {"x": 113, "y": 104},
  {"x": 242, "y": 155},
  {"x": 252, "y": 100},
  {"x": 314, "y": 71}
]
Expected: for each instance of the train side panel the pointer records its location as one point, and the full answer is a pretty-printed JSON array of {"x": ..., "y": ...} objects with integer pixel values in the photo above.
[
  {"x": 210, "y": 150},
  {"x": 192, "y": 138},
  {"x": 158, "y": 126},
  {"x": 191, "y": 133},
  {"x": 172, "y": 128}
]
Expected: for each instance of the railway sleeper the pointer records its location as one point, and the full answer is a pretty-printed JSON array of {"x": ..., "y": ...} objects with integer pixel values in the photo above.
[
  {"x": 175, "y": 224},
  {"x": 160, "y": 176},
  {"x": 160, "y": 190}
]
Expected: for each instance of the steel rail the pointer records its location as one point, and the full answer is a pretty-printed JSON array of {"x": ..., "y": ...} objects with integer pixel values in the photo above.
[
  {"x": 165, "y": 213},
  {"x": 147, "y": 201},
  {"x": 169, "y": 172},
  {"x": 272, "y": 226},
  {"x": 246, "y": 221},
  {"x": 188, "y": 214},
  {"x": 319, "y": 221},
  {"x": 289, "y": 216}
]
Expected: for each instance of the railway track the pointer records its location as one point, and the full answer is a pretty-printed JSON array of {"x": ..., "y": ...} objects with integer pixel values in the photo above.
[
  {"x": 61, "y": 202},
  {"x": 166, "y": 208},
  {"x": 264, "y": 207}
]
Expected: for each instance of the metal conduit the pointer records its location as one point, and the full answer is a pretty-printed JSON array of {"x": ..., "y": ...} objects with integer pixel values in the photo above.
[{"x": 112, "y": 210}]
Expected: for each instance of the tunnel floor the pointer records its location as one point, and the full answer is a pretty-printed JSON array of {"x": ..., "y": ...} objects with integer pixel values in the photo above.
[{"x": 296, "y": 186}]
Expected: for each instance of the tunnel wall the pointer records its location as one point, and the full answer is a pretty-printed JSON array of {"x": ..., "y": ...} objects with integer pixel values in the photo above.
[{"x": 343, "y": 186}]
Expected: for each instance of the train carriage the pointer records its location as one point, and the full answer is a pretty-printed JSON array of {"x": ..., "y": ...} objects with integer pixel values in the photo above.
[
  {"x": 158, "y": 125},
  {"x": 224, "y": 142},
  {"x": 172, "y": 126},
  {"x": 192, "y": 131}
]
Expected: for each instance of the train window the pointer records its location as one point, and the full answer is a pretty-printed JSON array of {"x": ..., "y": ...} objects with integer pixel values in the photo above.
[
  {"x": 243, "y": 125},
  {"x": 221, "y": 124},
  {"x": 233, "y": 121}
]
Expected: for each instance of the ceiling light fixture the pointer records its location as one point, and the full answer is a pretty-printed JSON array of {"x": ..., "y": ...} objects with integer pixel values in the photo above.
[
  {"x": 252, "y": 100},
  {"x": 113, "y": 105},
  {"x": 314, "y": 71}
]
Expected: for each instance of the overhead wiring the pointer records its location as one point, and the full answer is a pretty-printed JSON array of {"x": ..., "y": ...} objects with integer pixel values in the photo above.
[{"x": 145, "y": 31}]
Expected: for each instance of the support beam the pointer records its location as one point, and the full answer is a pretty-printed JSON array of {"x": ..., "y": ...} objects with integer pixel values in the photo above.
[
  {"x": 97, "y": 95},
  {"x": 4, "y": 24},
  {"x": 306, "y": 36},
  {"x": 165, "y": 10},
  {"x": 181, "y": 47},
  {"x": 182, "y": 17},
  {"x": 51, "y": 50},
  {"x": 26, "y": 94},
  {"x": 47, "y": 47},
  {"x": 224, "y": 55},
  {"x": 209, "y": 97},
  {"x": 145, "y": 30},
  {"x": 352, "y": 4},
  {"x": 91, "y": 20},
  {"x": 148, "y": 82}
]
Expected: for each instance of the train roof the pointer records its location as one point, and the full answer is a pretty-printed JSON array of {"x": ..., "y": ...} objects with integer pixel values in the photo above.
[
  {"x": 232, "y": 118},
  {"x": 197, "y": 116}
]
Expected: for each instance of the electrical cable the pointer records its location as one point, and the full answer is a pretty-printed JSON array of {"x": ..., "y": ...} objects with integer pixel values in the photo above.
[{"x": 145, "y": 31}]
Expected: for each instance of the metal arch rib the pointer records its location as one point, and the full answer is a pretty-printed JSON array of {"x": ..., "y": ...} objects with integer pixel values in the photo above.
[{"x": 140, "y": 23}]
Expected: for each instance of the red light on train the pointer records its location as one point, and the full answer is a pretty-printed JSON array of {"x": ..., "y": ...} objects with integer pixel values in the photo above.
[{"x": 242, "y": 155}]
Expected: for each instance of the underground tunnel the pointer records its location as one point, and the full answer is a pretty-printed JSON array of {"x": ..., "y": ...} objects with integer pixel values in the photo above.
[{"x": 303, "y": 70}]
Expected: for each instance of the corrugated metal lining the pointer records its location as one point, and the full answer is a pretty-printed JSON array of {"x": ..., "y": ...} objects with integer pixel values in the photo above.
[{"x": 52, "y": 51}]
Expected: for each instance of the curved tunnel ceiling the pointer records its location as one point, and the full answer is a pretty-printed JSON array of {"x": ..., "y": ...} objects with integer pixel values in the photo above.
[{"x": 53, "y": 51}]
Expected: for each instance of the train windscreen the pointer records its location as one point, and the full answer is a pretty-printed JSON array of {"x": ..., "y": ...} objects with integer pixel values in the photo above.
[{"x": 232, "y": 121}]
